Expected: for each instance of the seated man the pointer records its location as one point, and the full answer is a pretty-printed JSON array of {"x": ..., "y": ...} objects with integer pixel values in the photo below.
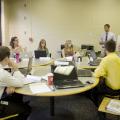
[
  {"x": 109, "y": 68},
  {"x": 8, "y": 83}
]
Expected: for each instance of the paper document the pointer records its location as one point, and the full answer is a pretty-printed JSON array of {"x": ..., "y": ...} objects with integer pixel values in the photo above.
[
  {"x": 77, "y": 54},
  {"x": 31, "y": 79},
  {"x": 64, "y": 70},
  {"x": 44, "y": 58},
  {"x": 61, "y": 63},
  {"x": 114, "y": 106},
  {"x": 39, "y": 88},
  {"x": 70, "y": 58}
]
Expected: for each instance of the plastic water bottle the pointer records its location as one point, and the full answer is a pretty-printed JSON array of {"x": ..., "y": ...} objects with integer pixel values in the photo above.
[
  {"x": 50, "y": 79},
  {"x": 17, "y": 57}
]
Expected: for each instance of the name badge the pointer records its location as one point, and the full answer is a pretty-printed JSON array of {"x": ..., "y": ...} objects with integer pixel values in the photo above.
[{"x": 3, "y": 102}]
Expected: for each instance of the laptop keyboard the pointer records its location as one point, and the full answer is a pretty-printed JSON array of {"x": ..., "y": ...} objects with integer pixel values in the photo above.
[{"x": 68, "y": 84}]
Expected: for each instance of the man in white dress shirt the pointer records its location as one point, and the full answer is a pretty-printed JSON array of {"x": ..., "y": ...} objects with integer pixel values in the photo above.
[
  {"x": 8, "y": 83},
  {"x": 106, "y": 36}
]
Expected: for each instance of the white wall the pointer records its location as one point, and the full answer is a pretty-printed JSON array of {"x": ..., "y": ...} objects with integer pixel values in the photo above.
[
  {"x": 4, "y": 22},
  {"x": 58, "y": 20}
]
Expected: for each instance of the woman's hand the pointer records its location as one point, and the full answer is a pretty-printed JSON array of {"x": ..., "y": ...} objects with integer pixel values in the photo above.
[{"x": 18, "y": 49}]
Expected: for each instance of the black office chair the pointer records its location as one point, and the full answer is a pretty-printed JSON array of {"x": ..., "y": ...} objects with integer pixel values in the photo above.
[
  {"x": 62, "y": 47},
  {"x": 50, "y": 55},
  {"x": 90, "y": 47},
  {"x": 83, "y": 46},
  {"x": 87, "y": 47}
]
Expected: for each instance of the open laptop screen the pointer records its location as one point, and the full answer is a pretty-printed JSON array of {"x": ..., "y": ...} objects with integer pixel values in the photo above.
[
  {"x": 29, "y": 68},
  {"x": 39, "y": 54},
  {"x": 93, "y": 54}
]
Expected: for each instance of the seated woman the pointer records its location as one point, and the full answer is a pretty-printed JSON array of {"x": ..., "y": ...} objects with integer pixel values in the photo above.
[
  {"x": 68, "y": 50},
  {"x": 42, "y": 46},
  {"x": 15, "y": 47}
]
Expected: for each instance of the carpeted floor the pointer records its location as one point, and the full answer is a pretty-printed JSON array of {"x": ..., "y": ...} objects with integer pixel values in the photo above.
[{"x": 75, "y": 107}]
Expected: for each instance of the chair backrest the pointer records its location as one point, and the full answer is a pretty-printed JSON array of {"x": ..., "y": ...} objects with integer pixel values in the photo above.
[
  {"x": 62, "y": 46},
  {"x": 113, "y": 97},
  {"x": 83, "y": 46},
  {"x": 88, "y": 47}
]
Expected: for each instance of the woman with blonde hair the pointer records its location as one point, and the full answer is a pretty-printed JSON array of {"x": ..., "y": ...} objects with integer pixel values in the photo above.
[
  {"x": 68, "y": 49},
  {"x": 42, "y": 46}
]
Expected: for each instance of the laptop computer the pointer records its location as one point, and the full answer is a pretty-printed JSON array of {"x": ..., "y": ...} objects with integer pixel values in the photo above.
[
  {"x": 94, "y": 61},
  {"x": 84, "y": 73},
  {"x": 67, "y": 81},
  {"x": 27, "y": 70},
  {"x": 39, "y": 53}
]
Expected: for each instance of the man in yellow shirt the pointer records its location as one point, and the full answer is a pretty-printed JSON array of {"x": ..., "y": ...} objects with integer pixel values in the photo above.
[{"x": 109, "y": 68}]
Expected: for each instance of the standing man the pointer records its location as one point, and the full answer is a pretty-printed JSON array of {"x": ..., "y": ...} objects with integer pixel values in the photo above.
[{"x": 106, "y": 36}]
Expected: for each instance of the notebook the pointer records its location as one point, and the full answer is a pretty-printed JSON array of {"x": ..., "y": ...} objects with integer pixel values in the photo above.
[
  {"x": 39, "y": 88},
  {"x": 61, "y": 63},
  {"x": 64, "y": 70},
  {"x": 32, "y": 79},
  {"x": 114, "y": 106}
]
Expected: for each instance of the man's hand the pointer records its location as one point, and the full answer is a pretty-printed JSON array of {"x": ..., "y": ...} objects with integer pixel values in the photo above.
[
  {"x": 10, "y": 90},
  {"x": 12, "y": 65}
]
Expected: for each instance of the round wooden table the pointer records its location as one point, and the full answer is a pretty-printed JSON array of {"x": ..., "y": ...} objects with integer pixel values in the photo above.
[
  {"x": 35, "y": 63},
  {"x": 61, "y": 92},
  {"x": 84, "y": 64}
]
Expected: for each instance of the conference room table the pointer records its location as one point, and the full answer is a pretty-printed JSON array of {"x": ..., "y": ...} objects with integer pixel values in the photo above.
[
  {"x": 40, "y": 68},
  {"x": 35, "y": 62},
  {"x": 60, "y": 92},
  {"x": 84, "y": 64},
  {"x": 44, "y": 62}
]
